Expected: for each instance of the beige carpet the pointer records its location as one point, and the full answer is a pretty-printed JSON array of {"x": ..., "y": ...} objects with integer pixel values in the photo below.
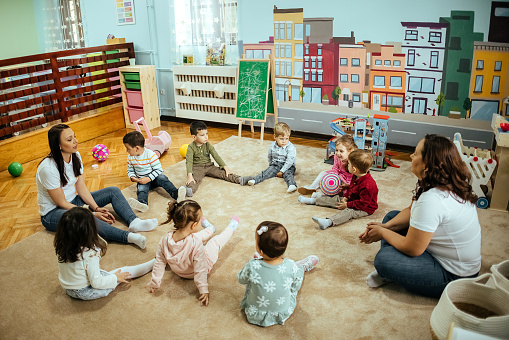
[{"x": 334, "y": 301}]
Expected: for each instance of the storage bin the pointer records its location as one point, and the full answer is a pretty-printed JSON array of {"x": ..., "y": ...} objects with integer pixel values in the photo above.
[
  {"x": 133, "y": 98},
  {"x": 111, "y": 52},
  {"x": 134, "y": 113},
  {"x": 109, "y": 61},
  {"x": 131, "y": 76},
  {"x": 133, "y": 85}
]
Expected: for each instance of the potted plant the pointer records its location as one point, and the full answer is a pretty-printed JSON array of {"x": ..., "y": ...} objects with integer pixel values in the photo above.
[
  {"x": 335, "y": 94},
  {"x": 325, "y": 99},
  {"x": 455, "y": 112},
  {"x": 392, "y": 109}
]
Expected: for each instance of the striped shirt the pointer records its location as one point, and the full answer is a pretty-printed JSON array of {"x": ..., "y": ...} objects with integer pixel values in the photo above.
[
  {"x": 145, "y": 165},
  {"x": 286, "y": 154}
]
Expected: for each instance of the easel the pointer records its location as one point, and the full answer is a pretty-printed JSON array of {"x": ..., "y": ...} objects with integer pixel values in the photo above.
[{"x": 271, "y": 91}]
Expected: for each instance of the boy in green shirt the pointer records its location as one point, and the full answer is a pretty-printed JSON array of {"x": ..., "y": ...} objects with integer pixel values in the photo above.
[{"x": 199, "y": 164}]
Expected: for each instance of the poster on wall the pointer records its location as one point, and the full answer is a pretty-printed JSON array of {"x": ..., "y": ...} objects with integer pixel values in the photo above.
[{"x": 125, "y": 12}]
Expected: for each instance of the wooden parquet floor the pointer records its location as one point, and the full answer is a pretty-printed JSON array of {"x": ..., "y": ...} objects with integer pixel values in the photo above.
[{"x": 18, "y": 196}]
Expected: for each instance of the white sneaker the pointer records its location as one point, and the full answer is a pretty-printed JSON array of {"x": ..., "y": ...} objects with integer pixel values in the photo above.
[
  {"x": 251, "y": 182},
  {"x": 374, "y": 280},
  {"x": 291, "y": 188},
  {"x": 182, "y": 194},
  {"x": 135, "y": 204},
  {"x": 308, "y": 263}
]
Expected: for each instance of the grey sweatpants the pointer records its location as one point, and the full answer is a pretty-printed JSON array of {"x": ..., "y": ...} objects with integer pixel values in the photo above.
[
  {"x": 211, "y": 170},
  {"x": 273, "y": 170}
]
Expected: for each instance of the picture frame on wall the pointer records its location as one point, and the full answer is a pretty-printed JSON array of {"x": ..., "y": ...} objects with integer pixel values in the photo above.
[{"x": 125, "y": 12}]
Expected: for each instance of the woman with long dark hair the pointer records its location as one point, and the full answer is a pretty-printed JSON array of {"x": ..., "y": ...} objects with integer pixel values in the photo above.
[
  {"x": 437, "y": 239},
  {"x": 60, "y": 176}
]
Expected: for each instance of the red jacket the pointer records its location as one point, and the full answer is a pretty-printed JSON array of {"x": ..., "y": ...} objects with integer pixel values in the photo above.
[{"x": 362, "y": 194}]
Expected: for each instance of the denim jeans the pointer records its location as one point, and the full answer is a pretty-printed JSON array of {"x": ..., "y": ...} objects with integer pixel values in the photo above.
[
  {"x": 273, "y": 170},
  {"x": 160, "y": 181},
  {"x": 421, "y": 274},
  {"x": 90, "y": 293},
  {"x": 102, "y": 197}
]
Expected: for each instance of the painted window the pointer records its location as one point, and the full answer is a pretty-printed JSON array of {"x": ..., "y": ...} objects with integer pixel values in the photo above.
[
  {"x": 313, "y": 75},
  {"x": 289, "y": 35},
  {"x": 266, "y": 53},
  {"x": 435, "y": 37},
  {"x": 306, "y": 52},
  {"x": 276, "y": 31},
  {"x": 297, "y": 68},
  {"x": 495, "y": 84},
  {"x": 392, "y": 101},
  {"x": 411, "y": 35},
  {"x": 282, "y": 30},
  {"x": 320, "y": 77},
  {"x": 298, "y": 50},
  {"x": 480, "y": 65},
  {"x": 276, "y": 50},
  {"x": 421, "y": 84},
  {"x": 464, "y": 66},
  {"x": 295, "y": 93},
  {"x": 356, "y": 97},
  {"x": 343, "y": 78},
  {"x": 288, "y": 50},
  {"x": 346, "y": 97},
  {"x": 283, "y": 49},
  {"x": 356, "y": 62},
  {"x": 411, "y": 58},
  {"x": 288, "y": 68},
  {"x": 306, "y": 63},
  {"x": 498, "y": 65},
  {"x": 366, "y": 80},
  {"x": 368, "y": 59},
  {"x": 313, "y": 63},
  {"x": 307, "y": 95},
  {"x": 378, "y": 62},
  {"x": 387, "y": 63},
  {"x": 319, "y": 63},
  {"x": 379, "y": 81},
  {"x": 280, "y": 93},
  {"x": 308, "y": 30},
  {"x": 396, "y": 82},
  {"x": 433, "y": 63},
  {"x": 277, "y": 67},
  {"x": 396, "y": 63},
  {"x": 316, "y": 95},
  {"x": 258, "y": 54},
  {"x": 343, "y": 61},
  {"x": 282, "y": 70},
  {"x": 354, "y": 78},
  {"x": 249, "y": 54},
  {"x": 319, "y": 50},
  {"x": 306, "y": 75},
  {"x": 298, "y": 31}
]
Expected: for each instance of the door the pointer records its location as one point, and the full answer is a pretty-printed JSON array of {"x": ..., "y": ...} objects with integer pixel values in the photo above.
[
  {"x": 376, "y": 102},
  {"x": 419, "y": 105}
]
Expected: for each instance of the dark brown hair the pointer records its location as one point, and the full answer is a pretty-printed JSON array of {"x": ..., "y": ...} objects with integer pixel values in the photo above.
[
  {"x": 197, "y": 126},
  {"x": 76, "y": 231},
  {"x": 347, "y": 141},
  {"x": 183, "y": 213},
  {"x": 54, "y": 145},
  {"x": 134, "y": 139},
  {"x": 272, "y": 242},
  {"x": 361, "y": 159},
  {"x": 444, "y": 169}
]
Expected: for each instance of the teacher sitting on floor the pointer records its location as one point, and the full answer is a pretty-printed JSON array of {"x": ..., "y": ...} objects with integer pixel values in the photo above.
[
  {"x": 60, "y": 175},
  {"x": 437, "y": 239}
]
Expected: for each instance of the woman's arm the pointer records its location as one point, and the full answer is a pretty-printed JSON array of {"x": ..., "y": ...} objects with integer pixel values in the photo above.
[
  {"x": 99, "y": 212},
  {"x": 399, "y": 222},
  {"x": 58, "y": 196},
  {"x": 413, "y": 244}
]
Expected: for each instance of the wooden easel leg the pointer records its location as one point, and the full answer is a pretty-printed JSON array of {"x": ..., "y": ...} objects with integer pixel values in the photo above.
[
  {"x": 252, "y": 127},
  {"x": 240, "y": 128},
  {"x": 262, "y": 132}
]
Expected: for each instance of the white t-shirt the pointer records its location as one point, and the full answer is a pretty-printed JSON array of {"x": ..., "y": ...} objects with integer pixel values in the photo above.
[
  {"x": 456, "y": 241},
  {"x": 48, "y": 178}
]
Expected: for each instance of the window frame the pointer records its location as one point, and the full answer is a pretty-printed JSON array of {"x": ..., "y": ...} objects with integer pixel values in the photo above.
[
  {"x": 436, "y": 55},
  {"x": 352, "y": 78},
  {"x": 400, "y": 82},
  {"x": 412, "y": 54},
  {"x": 435, "y": 35},
  {"x": 396, "y": 61},
  {"x": 289, "y": 30},
  {"x": 341, "y": 61},
  {"x": 387, "y": 63},
  {"x": 409, "y": 33},
  {"x": 499, "y": 62},
  {"x": 479, "y": 65},
  {"x": 374, "y": 81},
  {"x": 493, "y": 83},
  {"x": 358, "y": 62},
  {"x": 378, "y": 62},
  {"x": 343, "y": 76}
]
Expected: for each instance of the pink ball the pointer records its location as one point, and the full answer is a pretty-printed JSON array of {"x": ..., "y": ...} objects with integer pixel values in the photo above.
[
  {"x": 100, "y": 152},
  {"x": 330, "y": 184}
]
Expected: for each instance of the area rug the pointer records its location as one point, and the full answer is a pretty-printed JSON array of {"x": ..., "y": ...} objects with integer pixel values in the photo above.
[{"x": 334, "y": 301}]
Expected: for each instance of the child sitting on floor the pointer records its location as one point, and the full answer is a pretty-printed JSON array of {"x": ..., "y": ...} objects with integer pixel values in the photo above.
[
  {"x": 79, "y": 248},
  {"x": 282, "y": 156},
  {"x": 199, "y": 164},
  {"x": 144, "y": 168},
  {"x": 361, "y": 197},
  {"x": 272, "y": 281},
  {"x": 183, "y": 247}
]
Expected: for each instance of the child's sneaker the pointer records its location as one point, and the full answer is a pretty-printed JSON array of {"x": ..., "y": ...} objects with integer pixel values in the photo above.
[
  {"x": 308, "y": 263},
  {"x": 251, "y": 182},
  {"x": 306, "y": 191},
  {"x": 206, "y": 224},
  {"x": 181, "y": 194},
  {"x": 135, "y": 204},
  {"x": 291, "y": 188},
  {"x": 244, "y": 180},
  {"x": 234, "y": 222},
  {"x": 189, "y": 192}
]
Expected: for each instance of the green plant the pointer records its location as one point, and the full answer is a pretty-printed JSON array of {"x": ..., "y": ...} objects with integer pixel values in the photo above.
[
  {"x": 455, "y": 108},
  {"x": 440, "y": 101},
  {"x": 302, "y": 94},
  {"x": 335, "y": 93},
  {"x": 392, "y": 109},
  {"x": 467, "y": 104},
  {"x": 325, "y": 97}
]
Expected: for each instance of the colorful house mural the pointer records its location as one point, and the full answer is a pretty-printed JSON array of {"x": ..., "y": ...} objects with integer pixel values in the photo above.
[
  {"x": 352, "y": 65},
  {"x": 388, "y": 79},
  {"x": 458, "y": 60},
  {"x": 260, "y": 50},
  {"x": 370, "y": 48},
  {"x": 489, "y": 84},
  {"x": 424, "y": 48}
]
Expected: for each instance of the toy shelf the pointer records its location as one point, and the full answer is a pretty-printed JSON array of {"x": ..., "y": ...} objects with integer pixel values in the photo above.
[
  {"x": 206, "y": 92},
  {"x": 148, "y": 89}
]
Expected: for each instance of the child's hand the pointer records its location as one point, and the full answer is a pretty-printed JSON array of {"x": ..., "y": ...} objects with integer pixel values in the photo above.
[
  {"x": 204, "y": 299},
  {"x": 342, "y": 205},
  {"x": 228, "y": 172},
  {"x": 280, "y": 174},
  {"x": 144, "y": 180},
  {"x": 190, "y": 179},
  {"x": 122, "y": 276},
  {"x": 134, "y": 179}
]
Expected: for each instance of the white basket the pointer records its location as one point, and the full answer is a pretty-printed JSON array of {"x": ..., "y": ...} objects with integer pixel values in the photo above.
[
  {"x": 501, "y": 275},
  {"x": 483, "y": 292}
]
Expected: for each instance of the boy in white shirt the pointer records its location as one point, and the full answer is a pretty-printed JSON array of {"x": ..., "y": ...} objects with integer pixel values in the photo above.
[{"x": 144, "y": 168}]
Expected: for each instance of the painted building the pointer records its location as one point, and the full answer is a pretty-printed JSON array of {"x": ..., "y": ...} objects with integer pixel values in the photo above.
[
  {"x": 458, "y": 60},
  {"x": 260, "y": 50},
  {"x": 351, "y": 73},
  {"x": 489, "y": 83},
  {"x": 370, "y": 48},
  {"x": 424, "y": 47},
  {"x": 388, "y": 79},
  {"x": 288, "y": 38}
]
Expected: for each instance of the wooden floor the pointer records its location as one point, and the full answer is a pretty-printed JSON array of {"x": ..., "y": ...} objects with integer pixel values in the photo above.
[{"x": 18, "y": 196}]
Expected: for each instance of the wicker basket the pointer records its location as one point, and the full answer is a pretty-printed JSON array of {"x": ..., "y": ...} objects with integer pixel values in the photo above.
[{"x": 501, "y": 275}]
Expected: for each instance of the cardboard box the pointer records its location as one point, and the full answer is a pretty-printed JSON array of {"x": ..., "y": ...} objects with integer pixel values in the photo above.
[{"x": 115, "y": 41}]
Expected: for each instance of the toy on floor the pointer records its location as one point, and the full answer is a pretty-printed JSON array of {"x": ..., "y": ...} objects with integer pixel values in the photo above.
[
  {"x": 330, "y": 184},
  {"x": 100, "y": 152},
  {"x": 379, "y": 142},
  {"x": 183, "y": 150},
  {"x": 159, "y": 144},
  {"x": 15, "y": 169},
  {"x": 481, "y": 164}
]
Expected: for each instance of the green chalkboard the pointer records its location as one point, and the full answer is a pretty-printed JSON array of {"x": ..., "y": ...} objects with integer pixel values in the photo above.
[{"x": 254, "y": 95}]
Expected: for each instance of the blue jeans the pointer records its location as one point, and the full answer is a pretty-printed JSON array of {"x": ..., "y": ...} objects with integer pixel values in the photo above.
[
  {"x": 102, "y": 197},
  {"x": 90, "y": 293},
  {"x": 273, "y": 170},
  {"x": 160, "y": 181},
  {"x": 421, "y": 274}
]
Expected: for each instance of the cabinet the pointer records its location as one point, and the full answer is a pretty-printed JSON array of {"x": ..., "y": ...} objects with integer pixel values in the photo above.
[
  {"x": 139, "y": 95},
  {"x": 206, "y": 93}
]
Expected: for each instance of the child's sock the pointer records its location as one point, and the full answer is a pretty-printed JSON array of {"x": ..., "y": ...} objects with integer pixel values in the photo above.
[
  {"x": 181, "y": 194},
  {"x": 291, "y": 188},
  {"x": 307, "y": 200},
  {"x": 135, "y": 204},
  {"x": 234, "y": 223},
  {"x": 244, "y": 180},
  {"x": 138, "y": 225},
  {"x": 323, "y": 223},
  {"x": 374, "y": 280},
  {"x": 139, "y": 240},
  {"x": 251, "y": 182},
  {"x": 139, "y": 270},
  {"x": 308, "y": 263},
  {"x": 189, "y": 192},
  {"x": 206, "y": 224}
]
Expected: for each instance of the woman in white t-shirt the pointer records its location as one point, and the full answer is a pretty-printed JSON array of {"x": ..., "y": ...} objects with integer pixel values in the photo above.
[
  {"x": 60, "y": 175},
  {"x": 437, "y": 239}
]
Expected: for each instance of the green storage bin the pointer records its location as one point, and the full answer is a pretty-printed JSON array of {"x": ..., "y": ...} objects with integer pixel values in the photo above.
[
  {"x": 109, "y": 61},
  {"x": 133, "y": 85},
  {"x": 111, "y": 52},
  {"x": 131, "y": 76}
]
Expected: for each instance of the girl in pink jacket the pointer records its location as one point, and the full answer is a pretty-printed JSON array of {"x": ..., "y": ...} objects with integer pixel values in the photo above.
[{"x": 183, "y": 247}]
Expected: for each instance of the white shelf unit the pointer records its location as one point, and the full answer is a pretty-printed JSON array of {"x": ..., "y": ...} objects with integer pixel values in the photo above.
[{"x": 201, "y": 102}]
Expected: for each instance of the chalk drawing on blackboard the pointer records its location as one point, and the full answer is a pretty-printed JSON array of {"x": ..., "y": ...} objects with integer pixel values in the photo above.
[{"x": 252, "y": 88}]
